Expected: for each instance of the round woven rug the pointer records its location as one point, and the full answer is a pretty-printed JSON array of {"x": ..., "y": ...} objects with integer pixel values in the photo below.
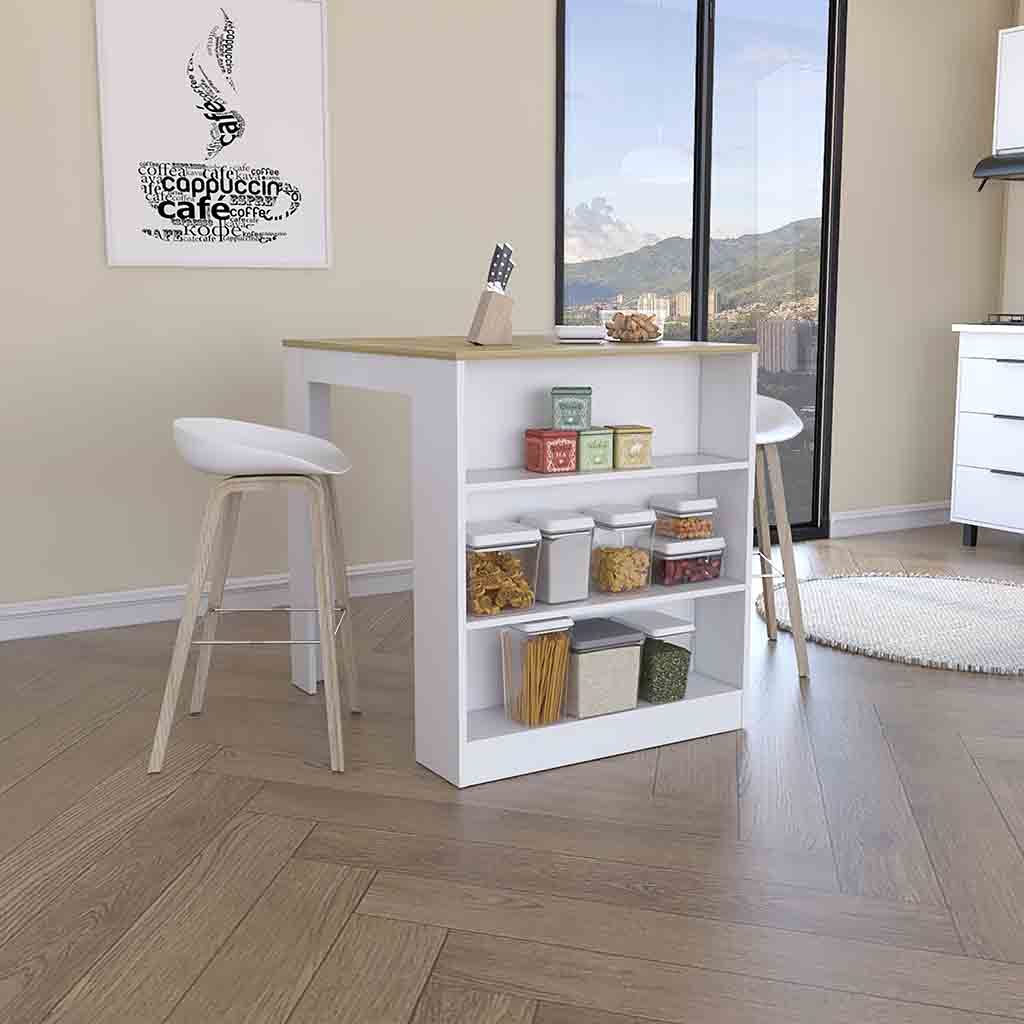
[{"x": 946, "y": 622}]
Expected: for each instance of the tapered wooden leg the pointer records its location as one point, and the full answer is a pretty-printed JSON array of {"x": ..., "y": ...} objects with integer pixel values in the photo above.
[
  {"x": 796, "y": 616},
  {"x": 322, "y": 572},
  {"x": 764, "y": 545},
  {"x": 218, "y": 577},
  {"x": 340, "y": 575},
  {"x": 189, "y": 612}
]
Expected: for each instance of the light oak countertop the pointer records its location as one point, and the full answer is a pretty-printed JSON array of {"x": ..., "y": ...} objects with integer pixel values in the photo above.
[{"x": 525, "y": 346}]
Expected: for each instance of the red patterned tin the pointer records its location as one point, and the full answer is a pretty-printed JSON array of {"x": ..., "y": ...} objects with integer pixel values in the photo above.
[{"x": 550, "y": 451}]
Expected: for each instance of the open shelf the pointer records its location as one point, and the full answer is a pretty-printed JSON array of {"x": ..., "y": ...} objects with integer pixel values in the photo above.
[
  {"x": 608, "y": 604},
  {"x": 664, "y": 466},
  {"x": 498, "y": 748},
  {"x": 486, "y": 723}
]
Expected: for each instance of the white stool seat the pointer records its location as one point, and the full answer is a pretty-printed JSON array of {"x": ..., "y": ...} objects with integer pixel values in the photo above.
[
  {"x": 236, "y": 448},
  {"x": 776, "y": 421}
]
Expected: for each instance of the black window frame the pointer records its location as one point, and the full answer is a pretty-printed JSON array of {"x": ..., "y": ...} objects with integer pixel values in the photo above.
[{"x": 818, "y": 527}]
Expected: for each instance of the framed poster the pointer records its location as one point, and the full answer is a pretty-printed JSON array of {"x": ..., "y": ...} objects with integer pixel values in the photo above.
[{"x": 214, "y": 132}]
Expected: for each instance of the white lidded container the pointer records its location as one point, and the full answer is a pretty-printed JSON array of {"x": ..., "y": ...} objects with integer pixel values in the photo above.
[
  {"x": 501, "y": 566},
  {"x": 684, "y": 518},
  {"x": 623, "y": 536},
  {"x": 666, "y": 655},
  {"x": 565, "y": 543},
  {"x": 535, "y": 669},
  {"x": 604, "y": 668},
  {"x": 678, "y": 562}
]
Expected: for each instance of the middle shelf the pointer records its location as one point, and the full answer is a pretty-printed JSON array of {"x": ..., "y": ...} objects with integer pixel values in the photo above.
[
  {"x": 609, "y": 604},
  {"x": 515, "y": 477}
]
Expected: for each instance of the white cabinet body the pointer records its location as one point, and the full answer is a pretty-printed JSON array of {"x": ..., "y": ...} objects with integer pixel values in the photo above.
[
  {"x": 1008, "y": 136},
  {"x": 988, "y": 464}
]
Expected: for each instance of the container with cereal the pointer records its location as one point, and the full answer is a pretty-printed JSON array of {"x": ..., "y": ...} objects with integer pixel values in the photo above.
[
  {"x": 535, "y": 667},
  {"x": 677, "y": 562},
  {"x": 501, "y": 566},
  {"x": 623, "y": 536},
  {"x": 683, "y": 517}
]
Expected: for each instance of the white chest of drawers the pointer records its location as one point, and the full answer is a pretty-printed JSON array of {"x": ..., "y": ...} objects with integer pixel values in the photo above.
[{"x": 988, "y": 463}]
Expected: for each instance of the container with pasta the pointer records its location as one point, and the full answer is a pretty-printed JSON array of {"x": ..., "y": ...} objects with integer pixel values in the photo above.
[{"x": 535, "y": 669}]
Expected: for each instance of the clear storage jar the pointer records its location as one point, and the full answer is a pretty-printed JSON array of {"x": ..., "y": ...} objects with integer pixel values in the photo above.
[
  {"x": 565, "y": 544},
  {"x": 678, "y": 562},
  {"x": 684, "y": 518},
  {"x": 604, "y": 668},
  {"x": 535, "y": 669},
  {"x": 621, "y": 559},
  {"x": 501, "y": 566},
  {"x": 666, "y": 655}
]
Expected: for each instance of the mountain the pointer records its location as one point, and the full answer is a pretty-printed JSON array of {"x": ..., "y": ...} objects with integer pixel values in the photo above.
[{"x": 778, "y": 265}]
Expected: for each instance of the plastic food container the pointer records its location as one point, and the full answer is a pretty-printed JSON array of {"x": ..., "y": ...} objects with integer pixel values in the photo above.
[
  {"x": 666, "y": 655},
  {"x": 565, "y": 543},
  {"x": 621, "y": 560},
  {"x": 633, "y": 445},
  {"x": 550, "y": 451},
  {"x": 604, "y": 668},
  {"x": 684, "y": 518},
  {"x": 570, "y": 408},
  {"x": 677, "y": 562},
  {"x": 535, "y": 668},
  {"x": 595, "y": 450},
  {"x": 501, "y": 566}
]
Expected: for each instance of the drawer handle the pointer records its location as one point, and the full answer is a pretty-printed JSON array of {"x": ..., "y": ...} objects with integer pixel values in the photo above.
[
  {"x": 1005, "y": 416},
  {"x": 1010, "y": 360},
  {"x": 1005, "y": 472}
]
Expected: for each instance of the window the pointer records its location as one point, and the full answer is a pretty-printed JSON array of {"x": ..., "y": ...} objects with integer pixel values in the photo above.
[{"x": 698, "y": 176}]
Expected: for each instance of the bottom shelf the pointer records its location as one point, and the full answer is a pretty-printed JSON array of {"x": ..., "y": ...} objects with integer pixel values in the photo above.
[{"x": 498, "y": 748}]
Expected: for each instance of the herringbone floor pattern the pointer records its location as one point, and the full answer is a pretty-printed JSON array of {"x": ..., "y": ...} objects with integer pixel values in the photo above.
[{"x": 853, "y": 856}]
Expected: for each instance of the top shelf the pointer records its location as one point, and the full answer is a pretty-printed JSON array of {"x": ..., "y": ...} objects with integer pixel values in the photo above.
[{"x": 664, "y": 466}]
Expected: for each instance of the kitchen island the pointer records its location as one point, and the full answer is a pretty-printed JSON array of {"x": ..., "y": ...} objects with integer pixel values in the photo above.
[{"x": 469, "y": 408}]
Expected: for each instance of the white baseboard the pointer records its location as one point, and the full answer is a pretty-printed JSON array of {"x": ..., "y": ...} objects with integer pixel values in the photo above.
[
  {"x": 160, "y": 604},
  {"x": 892, "y": 517}
]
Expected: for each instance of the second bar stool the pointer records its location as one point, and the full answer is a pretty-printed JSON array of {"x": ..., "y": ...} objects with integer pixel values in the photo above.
[
  {"x": 776, "y": 422},
  {"x": 251, "y": 457}
]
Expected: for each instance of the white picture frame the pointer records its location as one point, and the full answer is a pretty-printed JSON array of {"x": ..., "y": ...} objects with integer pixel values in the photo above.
[{"x": 214, "y": 133}]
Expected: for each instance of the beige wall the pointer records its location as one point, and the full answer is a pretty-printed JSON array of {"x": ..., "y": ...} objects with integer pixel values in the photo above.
[
  {"x": 96, "y": 362},
  {"x": 1013, "y": 233},
  {"x": 919, "y": 249}
]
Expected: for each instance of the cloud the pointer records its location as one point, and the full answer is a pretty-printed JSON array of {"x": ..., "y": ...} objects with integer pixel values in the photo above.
[{"x": 593, "y": 232}]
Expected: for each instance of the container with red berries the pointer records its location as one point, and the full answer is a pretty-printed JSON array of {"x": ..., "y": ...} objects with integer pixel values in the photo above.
[{"x": 678, "y": 562}]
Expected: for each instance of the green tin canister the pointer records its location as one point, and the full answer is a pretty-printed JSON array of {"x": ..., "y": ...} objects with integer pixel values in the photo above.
[
  {"x": 570, "y": 408},
  {"x": 595, "y": 450}
]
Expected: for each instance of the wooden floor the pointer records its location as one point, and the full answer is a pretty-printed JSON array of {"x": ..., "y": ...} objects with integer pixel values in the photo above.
[{"x": 855, "y": 855}]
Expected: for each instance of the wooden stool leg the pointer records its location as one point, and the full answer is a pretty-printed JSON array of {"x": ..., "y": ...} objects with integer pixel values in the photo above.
[
  {"x": 322, "y": 565},
  {"x": 340, "y": 575},
  {"x": 796, "y": 616},
  {"x": 218, "y": 577},
  {"x": 189, "y": 613},
  {"x": 764, "y": 544}
]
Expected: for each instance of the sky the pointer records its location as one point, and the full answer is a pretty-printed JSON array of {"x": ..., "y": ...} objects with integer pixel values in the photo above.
[{"x": 629, "y": 119}]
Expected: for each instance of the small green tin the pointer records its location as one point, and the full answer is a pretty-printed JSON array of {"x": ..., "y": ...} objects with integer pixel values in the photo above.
[
  {"x": 595, "y": 450},
  {"x": 570, "y": 408}
]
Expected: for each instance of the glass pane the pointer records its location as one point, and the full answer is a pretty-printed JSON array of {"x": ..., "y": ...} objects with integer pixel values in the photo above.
[
  {"x": 766, "y": 195},
  {"x": 629, "y": 84}
]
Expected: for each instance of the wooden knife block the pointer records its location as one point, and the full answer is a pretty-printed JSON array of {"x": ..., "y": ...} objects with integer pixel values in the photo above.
[{"x": 492, "y": 324}]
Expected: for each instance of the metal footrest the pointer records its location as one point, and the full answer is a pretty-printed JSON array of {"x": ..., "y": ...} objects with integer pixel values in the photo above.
[
  {"x": 339, "y": 611},
  {"x": 776, "y": 572}
]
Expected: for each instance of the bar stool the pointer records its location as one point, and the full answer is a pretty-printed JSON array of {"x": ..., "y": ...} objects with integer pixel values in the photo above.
[
  {"x": 250, "y": 457},
  {"x": 777, "y": 422}
]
